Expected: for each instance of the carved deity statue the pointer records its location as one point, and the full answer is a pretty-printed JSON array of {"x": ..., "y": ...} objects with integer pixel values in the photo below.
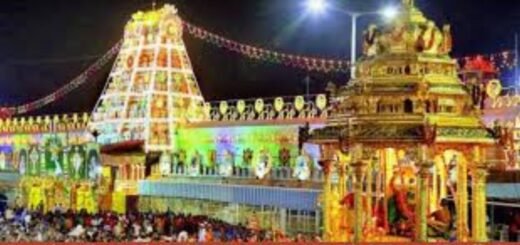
[
  {"x": 430, "y": 39},
  {"x": 451, "y": 167},
  {"x": 397, "y": 38},
  {"x": 447, "y": 43},
  {"x": 370, "y": 41},
  {"x": 331, "y": 88}
]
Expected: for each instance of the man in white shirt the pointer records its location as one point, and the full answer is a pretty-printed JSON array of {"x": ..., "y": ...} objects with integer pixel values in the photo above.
[
  {"x": 9, "y": 214},
  {"x": 77, "y": 231},
  {"x": 202, "y": 233},
  {"x": 137, "y": 229},
  {"x": 27, "y": 220},
  {"x": 183, "y": 236}
]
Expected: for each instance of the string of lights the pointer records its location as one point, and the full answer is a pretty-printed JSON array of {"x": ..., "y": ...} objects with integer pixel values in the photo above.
[
  {"x": 266, "y": 55},
  {"x": 65, "y": 89}
]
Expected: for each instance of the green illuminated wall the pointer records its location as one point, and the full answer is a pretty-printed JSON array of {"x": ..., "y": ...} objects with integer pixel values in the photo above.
[{"x": 236, "y": 139}]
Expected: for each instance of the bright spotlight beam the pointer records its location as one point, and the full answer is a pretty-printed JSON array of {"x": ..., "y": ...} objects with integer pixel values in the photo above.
[
  {"x": 316, "y": 6},
  {"x": 389, "y": 13}
]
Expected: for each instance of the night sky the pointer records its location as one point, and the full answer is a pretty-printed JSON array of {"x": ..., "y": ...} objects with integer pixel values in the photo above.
[{"x": 44, "y": 44}]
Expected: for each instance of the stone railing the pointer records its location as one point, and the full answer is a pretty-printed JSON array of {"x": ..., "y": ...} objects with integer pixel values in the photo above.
[
  {"x": 277, "y": 176},
  {"x": 275, "y": 173}
]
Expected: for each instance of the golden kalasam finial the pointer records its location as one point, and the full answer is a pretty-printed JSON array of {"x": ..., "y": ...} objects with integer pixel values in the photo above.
[{"x": 408, "y": 3}]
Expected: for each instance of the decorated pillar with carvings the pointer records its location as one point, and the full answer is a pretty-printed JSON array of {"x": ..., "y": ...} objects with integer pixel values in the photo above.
[
  {"x": 478, "y": 205},
  {"x": 359, "y": 172},
  {"x": 421, "y": 209},
  {"x": 369, "y": 193},
  {"x": 326, "y": 200},
  {"x": 461, "y": 199},
  {"x": 342, "y": 180}
]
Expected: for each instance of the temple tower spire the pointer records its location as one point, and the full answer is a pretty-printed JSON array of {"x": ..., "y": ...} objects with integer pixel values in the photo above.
[{"x": 152, "y": 89}]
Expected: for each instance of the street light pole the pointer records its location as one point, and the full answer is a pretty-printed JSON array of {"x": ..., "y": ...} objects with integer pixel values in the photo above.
[
  {"x": 353, "y": 45},
  {"x": 353, "y": 36},
  {"x": 318, "y": 6}
]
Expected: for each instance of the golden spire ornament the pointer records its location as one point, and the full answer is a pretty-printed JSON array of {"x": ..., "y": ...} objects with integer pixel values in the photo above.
[{"x": 409, "y": 3}]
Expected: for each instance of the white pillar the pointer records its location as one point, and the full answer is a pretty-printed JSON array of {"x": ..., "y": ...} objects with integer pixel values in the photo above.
[
  {"x": 353, "y": 47},
  {"x": 283, "y": 220}
]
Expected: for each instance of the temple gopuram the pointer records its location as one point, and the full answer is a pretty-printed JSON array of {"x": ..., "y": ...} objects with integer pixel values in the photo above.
[{"x": 374, "y": 160}]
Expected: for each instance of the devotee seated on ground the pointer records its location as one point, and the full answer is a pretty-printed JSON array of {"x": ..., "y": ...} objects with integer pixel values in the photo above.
[
  {"x": 440, "y": 222},
  {"x": 21, "y": 225}
]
